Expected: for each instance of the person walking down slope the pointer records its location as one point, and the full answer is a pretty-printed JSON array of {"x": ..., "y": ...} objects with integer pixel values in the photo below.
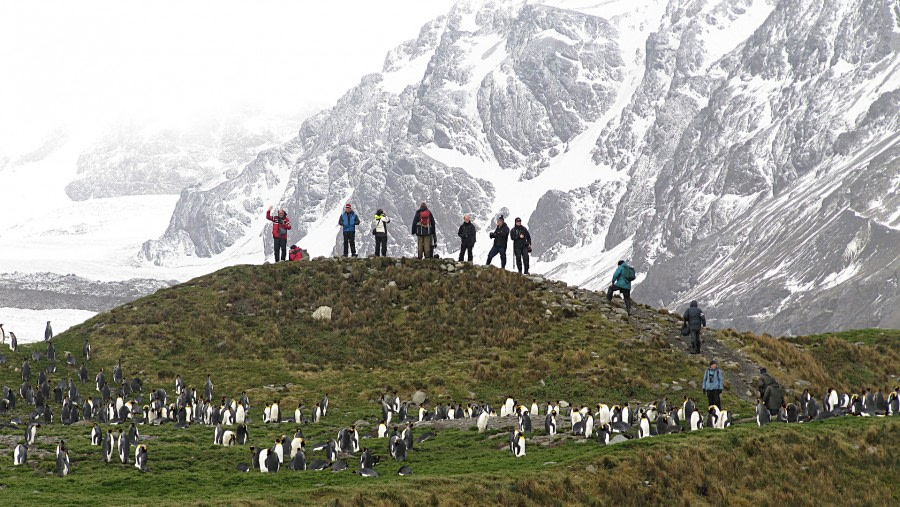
[
  {"x": 765, "y": 380},
  {"x": 694, "y": 319},
  {"x": 521, "y": 245},
  {"x": 348, "y": 222},
  {"x": 379, "y": 229},
  {"x": 281, "y": 224},
  {"x": 466, "y": 235},
  {"x": 712, "y": 384},
  {"x": 424, "y": 229},
  {"x": 501, "y": 239},
  {"x": 773, "y": 397},
  {"x": 621, "y": 282}
]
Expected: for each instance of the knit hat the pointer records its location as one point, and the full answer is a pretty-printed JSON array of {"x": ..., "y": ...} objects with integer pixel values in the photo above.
[{"x": 762, "y": 370}]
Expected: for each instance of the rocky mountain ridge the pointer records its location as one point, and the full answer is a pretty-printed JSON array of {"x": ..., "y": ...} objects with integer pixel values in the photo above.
[{"x": 741, "y": 152}]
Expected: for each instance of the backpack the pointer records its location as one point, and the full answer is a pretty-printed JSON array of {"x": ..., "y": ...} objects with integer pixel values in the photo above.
[
  {"x": 628, "y": 272},
  {"x": 425, "y": 218}
]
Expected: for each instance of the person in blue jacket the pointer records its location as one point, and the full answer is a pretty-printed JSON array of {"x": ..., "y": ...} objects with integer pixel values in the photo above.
[
  {"x": 621, "y": 283},
  {"x": 712, "y": 384},
  {"x": 348, "y": 222}
]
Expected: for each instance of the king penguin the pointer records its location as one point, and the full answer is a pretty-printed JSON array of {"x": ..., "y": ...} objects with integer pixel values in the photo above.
[
  {"x": 298, "y": 461},
  {"x": 762, "y": 414},
  {"x": 519, "y": 445},
  {"x": 696, "y": 422},
  {"x": 550, "y": 423},
  {"x": 140, "y": 458},
  {"x": 831, "y": 400},
  {"x": 20, "y": 454},
  {"x": 124, "y": 447},
  {"x": 31, "y": 433},
  {"x": 603, "y": 434},
  {"x": 644, "y": 426},
  {"x": 63, "y": 466}
]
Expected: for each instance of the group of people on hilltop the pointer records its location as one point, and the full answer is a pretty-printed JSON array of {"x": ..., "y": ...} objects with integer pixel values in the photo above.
[{"x": 424, "y": 229}]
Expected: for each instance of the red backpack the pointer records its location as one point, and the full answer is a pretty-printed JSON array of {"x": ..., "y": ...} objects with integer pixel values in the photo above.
[{"x": 425, "y": 218}]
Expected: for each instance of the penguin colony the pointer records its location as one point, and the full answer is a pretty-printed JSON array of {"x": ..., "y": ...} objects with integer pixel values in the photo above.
[{"x": 117, "y": 406}]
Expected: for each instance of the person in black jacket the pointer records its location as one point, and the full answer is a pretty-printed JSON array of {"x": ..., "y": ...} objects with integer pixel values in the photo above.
[
  {"x": 695, "y": 320},
  {"x": 521, "y": 245},
  {"x": 467, "y": 236},
  {"x": 501, "y": 238}
]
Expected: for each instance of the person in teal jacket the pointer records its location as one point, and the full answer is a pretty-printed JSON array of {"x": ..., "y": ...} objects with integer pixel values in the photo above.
[{"x": 620, "y": 283}]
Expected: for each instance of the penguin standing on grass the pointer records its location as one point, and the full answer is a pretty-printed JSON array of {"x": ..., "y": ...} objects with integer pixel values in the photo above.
[
  {"x": 762, "y": 414},
  {"x": 696, "y": 422},
  {"x": 96, "y": 436},
  {"x": 63, "y": 465},
  {"x": 644, "y": 426},
  {"x": 107, "y": 447},
  {"x": 550, "y": 423},
  {"x": 124, "y": 447},
  {"x": 518, "y": 445},
  {"x": 140, "y": 458},
  {"x": 31, "y": 433},
  {"x": 243, "y": 434},
  {"x": 603, "y": 434},
  {"x": 20, "y": 454},
  {"x": 48, "y": 332}
]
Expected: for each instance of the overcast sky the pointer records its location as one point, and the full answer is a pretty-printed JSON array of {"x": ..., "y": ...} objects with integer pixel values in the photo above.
[{"x": 70, "y": 62}]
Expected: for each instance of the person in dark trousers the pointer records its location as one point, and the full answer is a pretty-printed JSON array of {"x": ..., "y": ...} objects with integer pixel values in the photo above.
[
  {"x": 712, "y": 384},
  {"x": 773, "y": 397},
  {"x": 521, "y": 245},
  {"x": 620, "y": 283},
  {"x": 281, "y": 224},
  {"x": 694, "y": 319},
  {"x": 348, "y": 222},
  {"x": 425, "y": 230},
  {"x": 467, "y": 237},
  {"x": 379, "y": 229},
  {"x": 501, "y": 238},
  {"x": 765, "y": 380}
]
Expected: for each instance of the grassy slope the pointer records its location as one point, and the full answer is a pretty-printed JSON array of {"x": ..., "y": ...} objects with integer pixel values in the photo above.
[{"x": 476, "y": 334}]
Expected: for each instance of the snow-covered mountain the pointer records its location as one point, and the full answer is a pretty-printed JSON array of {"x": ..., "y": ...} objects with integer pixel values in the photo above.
[{"x": 741, "y": 152}]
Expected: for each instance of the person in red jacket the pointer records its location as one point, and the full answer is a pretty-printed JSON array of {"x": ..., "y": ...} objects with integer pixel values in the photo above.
[
  {"x": 281, "y": 224},
  {"x": 295, "y": 253}
]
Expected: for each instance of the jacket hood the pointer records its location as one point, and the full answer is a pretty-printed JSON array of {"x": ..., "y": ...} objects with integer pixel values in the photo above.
[{"x": 693, "y": 304}]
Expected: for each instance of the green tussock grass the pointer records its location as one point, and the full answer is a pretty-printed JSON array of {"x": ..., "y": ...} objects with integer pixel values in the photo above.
[
  {"x": 848, "y": 362},
  {"x": 474, "y": 335}
]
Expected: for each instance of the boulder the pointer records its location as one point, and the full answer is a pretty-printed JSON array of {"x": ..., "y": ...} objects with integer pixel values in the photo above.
[
  {"x": 618, "y": 439},
  {"x": 322, "y": 313},
  {"x": 419, "y": 397}
]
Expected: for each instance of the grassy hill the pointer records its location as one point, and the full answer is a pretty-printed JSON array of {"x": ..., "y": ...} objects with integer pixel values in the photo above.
[{"x": 461, "y": 334}]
